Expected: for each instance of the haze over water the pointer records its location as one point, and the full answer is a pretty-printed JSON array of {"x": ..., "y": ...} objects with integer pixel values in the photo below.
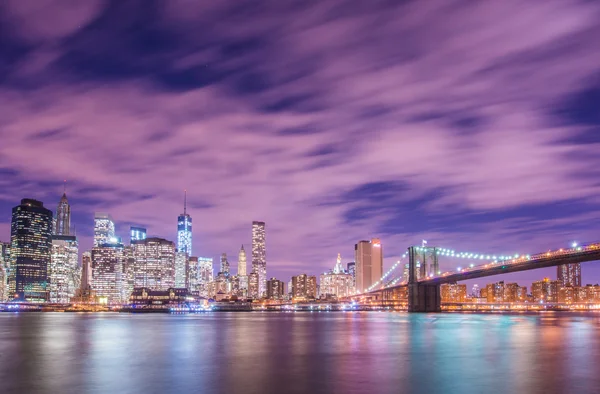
[{"x": 299, "y": 353}]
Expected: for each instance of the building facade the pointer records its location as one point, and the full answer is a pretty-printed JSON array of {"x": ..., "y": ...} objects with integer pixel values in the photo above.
[
  {"x": 453, "y": 292},
  {"x": 569, "y": 275},
  {"x": 253, "y": 286},
  {"x": 154, "y": 266},
  {"x": 64, "y": 276},
  {"x": 184, "y": 230},
  {"x": 63, "y": 217},
  {"x": 337, "y": 282},
  {"x": 369, "y": 263},
  {"x": 104, "y": 229},
  {"x": 275, "y": 289},
  {"x": 107, "y": 272},
  {"x": 304, "y": 286},
  {"x": 259, "y": 256},
  {"x": 30, "y": 251},
  {"x": 545, "y": 290},
  {"x": 181, "y": 269},
  {"x": 136, "y": 234}
]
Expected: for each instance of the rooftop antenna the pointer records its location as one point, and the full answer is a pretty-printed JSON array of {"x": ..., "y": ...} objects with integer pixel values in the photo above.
[
  {"x": 184, "y": 201},
  {"x": 65, "y": 186}
]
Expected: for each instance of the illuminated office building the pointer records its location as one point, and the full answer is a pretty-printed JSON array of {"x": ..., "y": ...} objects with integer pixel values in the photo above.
[
  {"x": 136, "y": 234},
  {"x": 259, "y": 256},
  {"x": 336, "y": 283},
  {"x": 275, "y": 289},
  {"x": 224, "y": 266},
  {"x": 351, "y": 269},
  {"x": 4, "y": 267},
  {"x": 304, "y": 286},
  {"x": 569, "y": 275},
  {"x": 128, "y": 277},
  {"x": 545, "y": 290},
  {"x": 200, "y": 274},
  {"x": 253, "y": 286},
  {"x": 63, "y": 217},
  {"x": 184, "y": 230},
  {"x": 104, "y": 229},
  {"x": 453, "y": 292},
  {"x": 107, "y": 272},
  {"x": 63, "y": 272},
  {"x": 369, "y": 263},
  {"x": 30, "y": 249},
  {"x": 86, "y": 270},
  {"x": 154, "y": 266},
  {"x": 242, "y": 262},
  {"x": 181, "y": 268}
]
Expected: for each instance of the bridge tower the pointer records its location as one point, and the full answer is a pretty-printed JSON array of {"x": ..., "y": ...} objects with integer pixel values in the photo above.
[{"x": 423, "y": 297}]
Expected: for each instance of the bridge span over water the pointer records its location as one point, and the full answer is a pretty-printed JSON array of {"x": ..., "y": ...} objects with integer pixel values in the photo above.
[{"x": 424, "y": 293}]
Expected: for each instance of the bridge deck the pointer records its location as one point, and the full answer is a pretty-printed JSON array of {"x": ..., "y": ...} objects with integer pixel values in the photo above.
[{"x": 543, "y": 260}]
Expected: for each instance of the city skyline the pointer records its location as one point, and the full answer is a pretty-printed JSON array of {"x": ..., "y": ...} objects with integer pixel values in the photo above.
[
  {"x": 258, "y": 120},
  {"x": 108, "y": 231}
]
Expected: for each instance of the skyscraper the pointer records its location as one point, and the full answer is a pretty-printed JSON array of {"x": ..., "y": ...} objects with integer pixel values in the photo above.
[
  {"x": 224, "y": 267},
  {"x": 104, "y": 229},
  {"x": 31, "y": 243},
  {"x": 154, "y": 265},
  {"x": 304, "y": 286},
  {"x": 181, "y": 268},
  {"x": 107, "y": 271},
  {"x": 253, "y": 285},
  {"x": 369, "y": 263},
  {"x": 275, "y": 289},
  {"x": 241, "y": 271},
  {"x": 63, "y": 216},
  {"x": 86, "y": 271},
  {"x": 351, "y": 268},
  {"x": 184, "y": 229},
  {"x": 63, "y": 272},
  {"x": 136, "y": 234},
  {"x": 259, "y": 256},
  {"x": 569, "y": 275}
]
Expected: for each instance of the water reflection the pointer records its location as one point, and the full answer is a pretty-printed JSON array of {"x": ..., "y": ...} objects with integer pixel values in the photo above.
[{"x": 299, "y": 353}]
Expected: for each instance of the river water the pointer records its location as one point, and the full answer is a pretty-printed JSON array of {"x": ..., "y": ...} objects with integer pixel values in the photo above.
[{"x": 302, "y": 352}]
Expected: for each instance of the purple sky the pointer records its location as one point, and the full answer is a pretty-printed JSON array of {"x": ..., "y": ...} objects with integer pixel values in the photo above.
[{"x": 474, "y": 125}]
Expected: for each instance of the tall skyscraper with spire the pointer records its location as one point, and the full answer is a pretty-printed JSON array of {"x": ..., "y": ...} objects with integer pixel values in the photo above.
[
  {"x": 184, "y": 229},
  {"x": 63, "y": 215},
  {"x": 259, "y": 256},
  {"x": 242, "y": 262}
]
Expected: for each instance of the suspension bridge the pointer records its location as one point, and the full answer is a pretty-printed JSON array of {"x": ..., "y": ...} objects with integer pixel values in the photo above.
[{"x": 421, "y": 277}]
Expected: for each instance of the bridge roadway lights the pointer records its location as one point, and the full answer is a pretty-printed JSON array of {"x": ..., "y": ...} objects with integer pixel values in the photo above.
[{"x": 424, "y": 298}]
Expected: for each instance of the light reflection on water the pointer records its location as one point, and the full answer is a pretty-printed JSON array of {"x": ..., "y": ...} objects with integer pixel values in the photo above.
[{"x": 299, "y": 353}]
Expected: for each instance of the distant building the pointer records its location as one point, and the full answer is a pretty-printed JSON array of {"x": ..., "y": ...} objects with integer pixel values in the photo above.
[
  {"x": 495, "y": 292},
  {"x": 545, "y": 290},
  {"x": 63, "y": 217},
  {"x": 351, "y": 269},
  {"x": 63, "y": 272},
  {"x": 224, "y": 267},
  {"x": 336, "y": 283},
  {"x": 107, "y": 272},
  {"x": 86, "y": 270},
  {"x": 181, "y": 268},
  {"x": 104, "y": 229},
  {"x": 259, "y": 256},
  {"x": 304, "y": 286},
  {"x": 242, "y": 262},
  {"x": 30, "y": 250},
  {"x": 154, "y": 263},
  {"x": 453, "y": 292},
  {"x": 184, "y": 230},
  {"x": 253, "y": 286},
  {"x": 136, "y": 234},
  {"x": 569, "y": 275},
  {"x": 369, "y": 263},
  {"x": 156, "y": 298},
  {"x": 200, "y": 274},
  {"x": 275, "y": 289}
]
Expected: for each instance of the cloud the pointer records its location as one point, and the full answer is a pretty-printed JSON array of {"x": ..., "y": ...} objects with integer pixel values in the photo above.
[{"x": 333, "y": 123}]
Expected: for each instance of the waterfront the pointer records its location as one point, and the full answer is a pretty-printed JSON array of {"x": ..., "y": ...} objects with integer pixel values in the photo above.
[{"x": 302, "y": 352}]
